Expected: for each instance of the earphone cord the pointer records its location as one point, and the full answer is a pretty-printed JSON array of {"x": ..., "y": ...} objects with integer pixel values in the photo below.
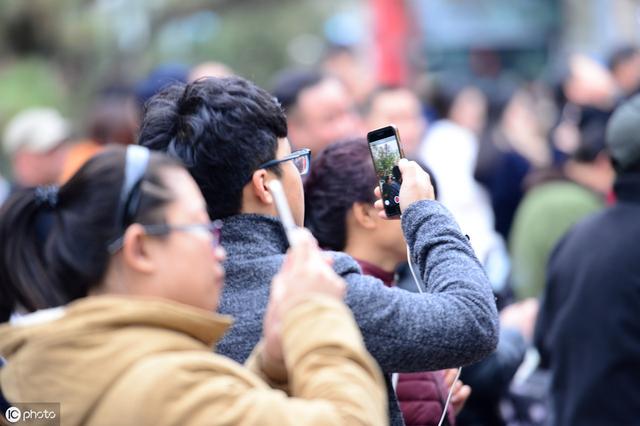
[{"x": 417, "y": 283}]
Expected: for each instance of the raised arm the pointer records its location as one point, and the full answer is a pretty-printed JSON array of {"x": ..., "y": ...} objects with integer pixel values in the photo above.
[{"x": 455, "y": 322}]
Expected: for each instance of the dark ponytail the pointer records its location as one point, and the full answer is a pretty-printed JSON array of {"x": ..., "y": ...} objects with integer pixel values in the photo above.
[{"x": 53, "y": 244}]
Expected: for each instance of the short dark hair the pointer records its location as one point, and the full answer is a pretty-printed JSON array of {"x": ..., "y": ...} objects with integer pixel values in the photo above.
[
  {"x": 341, "y": 175},
  {"x": 55, "y": 251},
  {"x": 289, "y": 83},
  {"x": 444, "y": 96},
  {"x": 592, "y": 128},
  {"x": 620, "y": 55},
  {"x": 222, "y": 129}
]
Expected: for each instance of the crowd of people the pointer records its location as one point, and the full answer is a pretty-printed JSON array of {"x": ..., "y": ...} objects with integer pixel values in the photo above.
[{"x": 146, "y": 277}]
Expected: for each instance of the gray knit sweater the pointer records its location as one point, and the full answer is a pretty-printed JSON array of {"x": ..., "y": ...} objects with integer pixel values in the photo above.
[{"x": 454, "y": 323}]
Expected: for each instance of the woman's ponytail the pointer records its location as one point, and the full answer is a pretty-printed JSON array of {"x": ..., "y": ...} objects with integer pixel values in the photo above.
[{"x": 26, "y": 219}]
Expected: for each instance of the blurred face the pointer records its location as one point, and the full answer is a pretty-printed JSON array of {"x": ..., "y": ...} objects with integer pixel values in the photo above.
[
  {"x": 33, "y": 168},
  {"x": 590, "y": 83},
  {"x": 325, "y": 114},
  {"x": 188, "y": 266},
  {"x": 402, "y": 108},
  {"x": 469, "y": 109},
  {"x": 627, "y": 75},
  {"x": 291, "y": 182}
]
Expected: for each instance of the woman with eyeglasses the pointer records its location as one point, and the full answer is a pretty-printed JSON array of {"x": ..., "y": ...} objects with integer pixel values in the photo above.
[{"x": 122, "y": 270}]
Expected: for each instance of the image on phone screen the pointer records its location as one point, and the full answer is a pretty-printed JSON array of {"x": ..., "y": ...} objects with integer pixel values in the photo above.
[{"x": 386, "y": 154}]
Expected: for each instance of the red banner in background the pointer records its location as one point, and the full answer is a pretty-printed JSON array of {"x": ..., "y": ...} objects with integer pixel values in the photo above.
[{"x": 391, "y": 30}]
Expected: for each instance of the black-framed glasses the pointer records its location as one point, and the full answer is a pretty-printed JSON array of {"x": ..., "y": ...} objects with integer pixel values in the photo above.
[
  {"x": 301, "y": 159},
  {"x": 208, "y": 229}
]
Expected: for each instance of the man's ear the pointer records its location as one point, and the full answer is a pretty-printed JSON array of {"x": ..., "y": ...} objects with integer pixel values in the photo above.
[
  {"x": 365, "y": 215},
  {"x": 259, "y": 188},
  {"x": 135, "y": 251}
]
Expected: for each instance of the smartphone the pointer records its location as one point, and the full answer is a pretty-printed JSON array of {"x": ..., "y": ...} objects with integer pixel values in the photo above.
[
  {"x": 384, "y": 145},
  {"x": 275, "y": 188}
]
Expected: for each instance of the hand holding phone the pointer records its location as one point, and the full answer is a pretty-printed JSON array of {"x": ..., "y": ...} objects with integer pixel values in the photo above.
[{"x": 416, "y": 186}]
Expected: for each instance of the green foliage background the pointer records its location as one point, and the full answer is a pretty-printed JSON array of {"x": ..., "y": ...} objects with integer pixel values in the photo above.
[{"x": 61, "y": 53}]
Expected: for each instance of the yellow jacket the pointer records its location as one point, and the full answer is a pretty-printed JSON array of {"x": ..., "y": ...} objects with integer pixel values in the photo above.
[{"x": 126, "y": 361}]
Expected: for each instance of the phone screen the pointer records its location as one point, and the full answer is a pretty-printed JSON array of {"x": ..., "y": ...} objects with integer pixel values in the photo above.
[{"x": 384, "y": 145}]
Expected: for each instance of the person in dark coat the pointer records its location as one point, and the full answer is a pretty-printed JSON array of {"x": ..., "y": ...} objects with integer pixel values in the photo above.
[{"x": 588, "y": 329}]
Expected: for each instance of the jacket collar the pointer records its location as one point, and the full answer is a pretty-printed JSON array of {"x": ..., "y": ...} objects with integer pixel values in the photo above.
[
  {"x": 388, "y": 278},
  {"x": 244, "y": 230},
  {"x": 627, "y": 187},
  {"x": 112, "y": 312}
]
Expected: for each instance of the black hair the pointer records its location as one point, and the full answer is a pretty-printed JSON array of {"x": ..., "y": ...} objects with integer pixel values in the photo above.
[
  {"x": 54, "y": 248},
  {"x": 222, "y": 129},
  {"x": 632, "y": 168},
  {"x": 620, "y": 55},
  {"x": 592, "y": 127},
  {"x": 288, "y": 84},
  {"x": 444, "y": 96},
  {"x": 341, "y": 175}
]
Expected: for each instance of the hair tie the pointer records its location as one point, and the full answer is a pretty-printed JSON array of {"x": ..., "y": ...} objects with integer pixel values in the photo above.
[{"x": 47, "y": 196}]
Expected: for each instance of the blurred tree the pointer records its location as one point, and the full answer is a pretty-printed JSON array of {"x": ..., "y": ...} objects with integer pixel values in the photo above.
[
  {"x": 62, "y": 53},
  {"x": 85, "y": 45}
]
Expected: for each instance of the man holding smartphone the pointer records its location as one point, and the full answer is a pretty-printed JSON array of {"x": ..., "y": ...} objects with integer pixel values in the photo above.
[{"x": 232, "y": 137}]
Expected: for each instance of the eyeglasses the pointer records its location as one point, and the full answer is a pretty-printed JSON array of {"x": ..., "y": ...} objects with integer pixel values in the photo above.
[
  {"x": 211, "y": 229},
  {"x": 301, "y": 159}
]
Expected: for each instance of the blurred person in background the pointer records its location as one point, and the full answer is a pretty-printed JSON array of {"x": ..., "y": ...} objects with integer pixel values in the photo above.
[
  {"x": 209, "y": 69},
  {"x": 344, "y": 63},
  {"x": 113, "y": 119},
  {"x": 158, "y": 78},
  {"x": 237, "y": 129},
  {"x": 137, "y": 259},
  {"x": 550, "y": 208},
  {"x": 36, "y": 142},
  {"x": 588, "y": 330},
  {"x": 624, "y": 64},
  {"x": 318, "y": 107},
  {"x": 346, "y": 220},
  {"x": 512, "y": 147},
  {"x": 450, "y": 149},
  {"x": 400, "y": 106},
  {"x": 587, "y": 91},
  {"x": 492, "y": 377}
]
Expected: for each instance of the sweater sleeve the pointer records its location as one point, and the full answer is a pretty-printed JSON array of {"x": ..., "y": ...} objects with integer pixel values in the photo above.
[
  {"x": 455, "y": 322},
  {"x": 333, "y": 380}
]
